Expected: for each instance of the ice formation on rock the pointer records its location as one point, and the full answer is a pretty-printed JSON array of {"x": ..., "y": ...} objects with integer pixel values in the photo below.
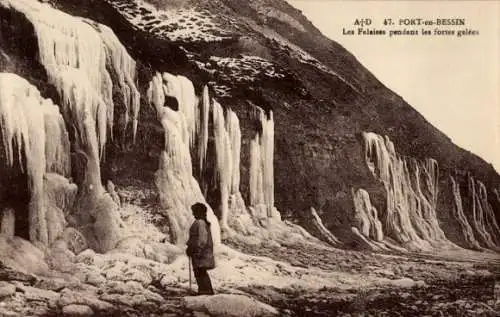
[
  {"x": 82, "y": 58},
  {"x": 234, "y": 136},
  {"x": 227, "y": 136},
  {"x": 174, "y": 178},
  {"x": 261, "y": 164},
  {"x": 124, "y": 68},
  {"x": 91, "y": 70},
  {"x": 412, "y": 193},
  {"x": 189, "y": 126},
  {"x": 482, "y": 216},
  {"x": 59, "y": 196},
  {"x": 34, "y": 126},
  {"x": 182, "y": 88},
  {"x": 322, "y": 230},
  {"x": 411, "y": 188},
  {"x": 366, "y": 216},
  {"x": 479, "y": 227},
  {"x": 75, "y": 53},
  {"x": 458, "y": 212},
  {"x": 224, "y": 160}
]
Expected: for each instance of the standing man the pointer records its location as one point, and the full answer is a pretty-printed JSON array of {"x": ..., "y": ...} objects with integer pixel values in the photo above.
[{"x": 200, "y": 249}]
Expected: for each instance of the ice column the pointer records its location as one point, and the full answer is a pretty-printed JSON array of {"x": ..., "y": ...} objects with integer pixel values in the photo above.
[
  {"x": 177, "y": 187},
  {"x": 227, "y": 137},
  {"x": 261, "y": 164},
  {"x": 202, "y": 126},
  {"x": 224, "y": 162}
]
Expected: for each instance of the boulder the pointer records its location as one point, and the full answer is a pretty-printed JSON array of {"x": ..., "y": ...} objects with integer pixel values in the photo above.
[
  {"x": 229, "y": 305},
  {"x": 21, "y": 255},
  {"x": 6, "y": 289},
  {"x": 95, "y": 278},
  {"x": 53, "y": 284},
  {"x": 77, "y": 310},
  {"x": 86, "y": 257},
  {"x": 69, "y": 297}
]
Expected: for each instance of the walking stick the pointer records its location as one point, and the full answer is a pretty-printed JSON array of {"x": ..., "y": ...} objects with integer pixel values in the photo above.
[{"x": 190, "y": 285}]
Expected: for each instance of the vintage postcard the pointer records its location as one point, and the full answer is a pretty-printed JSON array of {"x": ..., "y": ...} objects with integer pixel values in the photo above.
[{"x": 249, "y": 158}]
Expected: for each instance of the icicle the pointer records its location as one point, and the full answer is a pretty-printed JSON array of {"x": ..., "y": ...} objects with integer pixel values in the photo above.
[
  {"x": 188, "y": 106},
  {"x": 261, "y": 164},
  {"x": 489, "y": 218},
  {"x": 86, "y": 111},
  {"x": 203, "y": 127},
  {"x": 56, "y": 140},
  {"x": 30, "y": 122},
  {"x": 234, "y": 133},
  {"x": 255, "y": 177},
  {"x": 268, "y": 160},
  {"x": 223, "y": 156},
  {"x": 155, "y": 93},
  {"x": 125, "y": 68}
]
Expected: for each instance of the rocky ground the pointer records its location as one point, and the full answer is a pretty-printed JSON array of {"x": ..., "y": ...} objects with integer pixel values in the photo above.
[
  {"x": 118, "y": 284},
  {"x": 423, "y": 285}
]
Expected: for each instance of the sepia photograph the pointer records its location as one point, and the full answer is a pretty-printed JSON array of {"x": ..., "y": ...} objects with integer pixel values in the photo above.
[{"x": 249, "y": 158}]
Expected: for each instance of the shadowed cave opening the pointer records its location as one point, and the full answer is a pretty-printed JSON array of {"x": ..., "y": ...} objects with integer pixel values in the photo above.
[{"x": 14, "y": 193}]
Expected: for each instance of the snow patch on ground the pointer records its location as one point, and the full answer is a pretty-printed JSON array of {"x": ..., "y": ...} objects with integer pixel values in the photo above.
[{"x": 235, "y": 270}]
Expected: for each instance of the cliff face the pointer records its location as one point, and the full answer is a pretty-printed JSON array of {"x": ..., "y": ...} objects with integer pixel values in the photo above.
[{"x": 244, "y": 106}]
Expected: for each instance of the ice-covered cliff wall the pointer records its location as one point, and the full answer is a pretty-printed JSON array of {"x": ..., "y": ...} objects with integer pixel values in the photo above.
[
  {"x": 410, "y": 216},
  {"x": 85, "y": 62},
  {"x": 411, "y": 187},
  {"x": 202, "y": 122},
  {"x": 175, "y": 181},
  {"x": 97, "y": 85},
  {"x": 480, "y": 227}
]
